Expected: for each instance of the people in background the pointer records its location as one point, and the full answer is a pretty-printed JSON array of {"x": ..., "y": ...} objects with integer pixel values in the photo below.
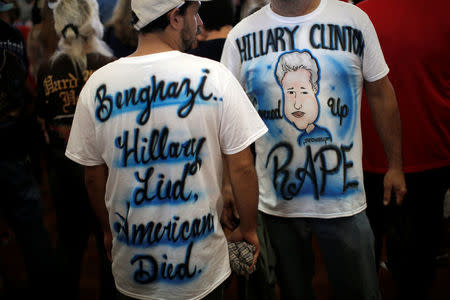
[
  {"x": 120, "y": 35},
  {"x": 418, "y": 63},
  {"x": 80, "y": 52}
]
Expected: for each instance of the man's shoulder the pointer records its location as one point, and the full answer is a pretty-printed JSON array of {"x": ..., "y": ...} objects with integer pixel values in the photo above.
[{"x": 345, "y": 9}]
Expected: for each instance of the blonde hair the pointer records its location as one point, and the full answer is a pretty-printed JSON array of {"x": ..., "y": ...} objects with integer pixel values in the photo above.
[
  {"x": 121, "y": 22},
  {"x": 78, "y": 26}
]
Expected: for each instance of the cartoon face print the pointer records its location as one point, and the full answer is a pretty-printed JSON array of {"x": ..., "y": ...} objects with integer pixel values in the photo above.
[
  {"x": 300, "y": 105},
  {"x": 298, "y": 75}
]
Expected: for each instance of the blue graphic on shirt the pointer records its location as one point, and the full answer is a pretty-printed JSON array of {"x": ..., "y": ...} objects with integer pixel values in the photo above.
[
  {"x": 163, "y": 162},
  {"x": 308, "y": 150},
  {"x": 175, "y": 232},
  {"x": 148, "y": 270},
  {"x": 157, "y": 93},
  {"x": 317, "y": 135},
  {"x": 298, "y": 75},
  {"x": 342, "y": 106}
]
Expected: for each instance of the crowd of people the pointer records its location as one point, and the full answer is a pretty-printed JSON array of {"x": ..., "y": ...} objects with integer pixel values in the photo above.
[{"x": 200, "y": 140}]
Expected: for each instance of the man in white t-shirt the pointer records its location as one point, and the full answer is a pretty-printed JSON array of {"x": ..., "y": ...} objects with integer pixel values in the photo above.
[
  {"x": 151, "y": 130},
  {"x": 304, "y": 64}
]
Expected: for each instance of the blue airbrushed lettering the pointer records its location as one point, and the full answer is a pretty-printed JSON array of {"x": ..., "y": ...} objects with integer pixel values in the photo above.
[
  {"x": 143, "y": 150},
  {"x": 150, "y": 270},
  {"x": 174, "y": 233},
  {"x": 157, "y": 93},
  {"x": 164, "y": 190},
  {"x": 335, "y": 37},
  {"x": 316, "y": 168}
]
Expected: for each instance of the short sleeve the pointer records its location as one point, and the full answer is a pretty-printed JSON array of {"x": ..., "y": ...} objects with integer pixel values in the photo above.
[
  {"x": 230, "y": 56},
  {"x": 81, "y": 146},
  {"x": 240, "y": 124},
  {"x": 374, "y": 64}
]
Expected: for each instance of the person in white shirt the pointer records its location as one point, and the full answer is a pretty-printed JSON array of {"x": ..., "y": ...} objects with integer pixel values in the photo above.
[
  {"x": 304, "y": 64},
  {"x": 151, "y": 129}
]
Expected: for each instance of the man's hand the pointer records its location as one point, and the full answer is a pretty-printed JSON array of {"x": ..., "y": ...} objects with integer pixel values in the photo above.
[
  {"x": 249, "y": 237},
  {"x": 394, "y": 183},
  {"x": 245, "y": 189}
]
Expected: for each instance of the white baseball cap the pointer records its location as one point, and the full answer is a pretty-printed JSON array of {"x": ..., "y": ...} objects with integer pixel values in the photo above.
[{"x": 150, "y": 10}]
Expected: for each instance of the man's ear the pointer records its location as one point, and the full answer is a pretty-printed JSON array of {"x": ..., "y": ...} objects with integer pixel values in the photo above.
[{"x": 176, "y": 20}]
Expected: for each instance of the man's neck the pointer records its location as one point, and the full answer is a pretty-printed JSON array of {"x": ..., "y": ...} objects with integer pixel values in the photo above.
[
  {"x": 293, "y": 8},
  {"x": 152, "y": 43}
]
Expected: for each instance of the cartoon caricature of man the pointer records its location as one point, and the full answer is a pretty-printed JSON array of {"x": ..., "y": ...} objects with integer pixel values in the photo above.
[{"x": 298, "y": 75}]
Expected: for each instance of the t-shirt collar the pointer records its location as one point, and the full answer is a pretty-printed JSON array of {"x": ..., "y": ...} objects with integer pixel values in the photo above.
[{"x": 298, "y": 19}]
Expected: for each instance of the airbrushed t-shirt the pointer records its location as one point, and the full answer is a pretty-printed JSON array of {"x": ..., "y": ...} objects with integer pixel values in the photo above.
[
  {"x": 161, "y": 123},
  {"x": 305, "y": 77}
]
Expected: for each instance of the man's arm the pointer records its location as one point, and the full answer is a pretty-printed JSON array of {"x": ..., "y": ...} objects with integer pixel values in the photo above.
[
  {"x": 381, "y": 98},
  {"x": 95, "y": 181},
  {"x": 245, "y": 189},
  {"x": 229, "y": 211}
]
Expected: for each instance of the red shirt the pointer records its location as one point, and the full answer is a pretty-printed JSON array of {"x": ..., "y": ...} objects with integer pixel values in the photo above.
[{"x": 415, "y": 41}]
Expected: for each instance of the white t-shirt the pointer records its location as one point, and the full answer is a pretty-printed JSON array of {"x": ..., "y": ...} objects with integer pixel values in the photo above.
[
  {"x": 161, "y": 123},
  {"x": 305, "y": 76}
]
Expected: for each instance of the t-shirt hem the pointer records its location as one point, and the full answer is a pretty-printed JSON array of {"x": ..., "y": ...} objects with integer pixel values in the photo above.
[
  {"x": 247, "y": 143},
  {"x": 81, "y": 161},
  {"x": 202, "y": 295},
  {"x": 314, "y": 215}
]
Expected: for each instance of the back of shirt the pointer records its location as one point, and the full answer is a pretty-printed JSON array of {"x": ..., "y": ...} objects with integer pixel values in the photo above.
[
  {"x": 414, "y": 37},
  {"x": 160, "y": 123}
]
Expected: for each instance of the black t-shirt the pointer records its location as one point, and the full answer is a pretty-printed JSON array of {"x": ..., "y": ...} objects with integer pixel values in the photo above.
[
  {"x": 18, "y": 127},
  {"x": 211, "y": 49},
  {"x": 58, "y": 85},
  {"x": 119, "y": 49},
  {"x": 11, "y": 39}
]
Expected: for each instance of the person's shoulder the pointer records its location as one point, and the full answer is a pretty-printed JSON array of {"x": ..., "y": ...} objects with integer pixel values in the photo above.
[
  {"x": 98, "y": 60},
  {"x": 200, "y": 60},
  {"x": 106, "y": 66},
  {"x": 348, "y": 11},
  {"x": 345, "y": 7},
  {"x": 213, "y": 66}
]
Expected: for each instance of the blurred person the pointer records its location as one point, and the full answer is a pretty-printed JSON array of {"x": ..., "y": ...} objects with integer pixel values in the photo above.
[
  {"x": 6, "y": 12},
  {"x": 42, "y": 40},
  {"x": 106, "y": 9},
  {"x": 25, "y": 8},
  {"x": 154, "y": 159},
  {"x": 120, "y": 34},
  {"x": 419, "y": 63},
  {"x": 21, "y": 200},
  {"x": 59, "y": 81},
  {"x": 296, "y": 63},
  {"x": 217, "y": 17}
]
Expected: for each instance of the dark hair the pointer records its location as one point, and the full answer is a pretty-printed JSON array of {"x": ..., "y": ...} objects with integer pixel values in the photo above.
[
  {"x": 216, "y": 14},
  {"x": 160, "y": 23}
]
